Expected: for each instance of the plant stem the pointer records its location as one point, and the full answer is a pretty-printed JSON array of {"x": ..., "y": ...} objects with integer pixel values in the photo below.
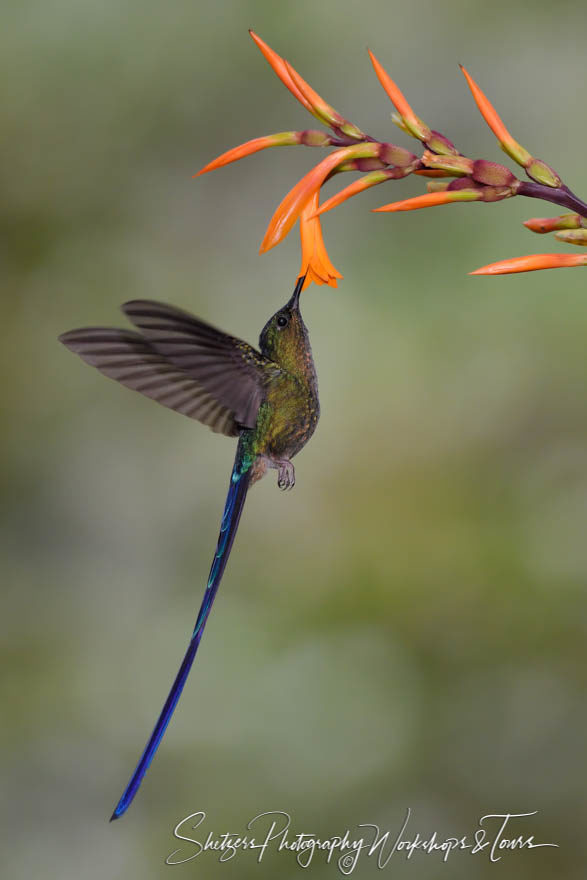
[{"x": 560, "y": 196}]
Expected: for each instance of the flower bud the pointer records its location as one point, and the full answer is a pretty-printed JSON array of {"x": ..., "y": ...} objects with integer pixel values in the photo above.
[
  {"x": 397, "y": 120},
  {"x": 314, "y": 138},
  {"x": 492, "y": 173},
  {"x": 497, "y": 193},
  {"x": 573, "y": 236},
  {"x": 457, "y": 165},
  {"x": 437, "y": 186},
  {"x": 391, "y": 154},
  {"x": 542, "y": 173},
  {"x": 441, "y": 144},
  {"x": 551, "y": 224}
]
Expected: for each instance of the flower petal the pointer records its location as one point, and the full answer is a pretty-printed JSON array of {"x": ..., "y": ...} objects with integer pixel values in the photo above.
[{"x": 315, "y": 260}]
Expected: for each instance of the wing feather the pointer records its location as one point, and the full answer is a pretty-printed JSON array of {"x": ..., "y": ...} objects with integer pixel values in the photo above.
[
  {"x": 231, "y": 371},
  {"x": 130, "y": 359}
]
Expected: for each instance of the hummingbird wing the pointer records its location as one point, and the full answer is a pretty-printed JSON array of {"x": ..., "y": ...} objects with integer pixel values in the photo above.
[
  {"x": 130, "y": 359},
  {"x": 230, "y": 370}
]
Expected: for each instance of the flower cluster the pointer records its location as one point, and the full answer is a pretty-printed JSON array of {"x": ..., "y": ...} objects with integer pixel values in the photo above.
[{"x": 472, "y": 179}]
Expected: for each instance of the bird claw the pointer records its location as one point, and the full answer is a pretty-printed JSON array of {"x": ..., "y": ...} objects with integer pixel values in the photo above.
[{"x": 286, "y": 475}]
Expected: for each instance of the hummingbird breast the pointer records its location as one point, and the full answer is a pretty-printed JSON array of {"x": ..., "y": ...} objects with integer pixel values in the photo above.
[{"x": 288, "y": 417}]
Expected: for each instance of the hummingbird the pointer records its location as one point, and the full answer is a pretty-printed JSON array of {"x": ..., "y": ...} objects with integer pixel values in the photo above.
[{"x": 268, "y": 398}]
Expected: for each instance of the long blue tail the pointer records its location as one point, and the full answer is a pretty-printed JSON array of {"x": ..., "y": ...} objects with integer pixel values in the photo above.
[{"x": 235, "y": 500}]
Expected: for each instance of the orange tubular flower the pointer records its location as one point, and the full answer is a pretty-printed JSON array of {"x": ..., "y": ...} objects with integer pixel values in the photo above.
[
  {"x": 323, "y": 111},
  {"x": 291, "y": 206},
  {"x": 358, "y": 186},
  {"x": 491, "y": 117},
  {"x": 430, "y": 199},
  {"x": 535, "y": 168},
  {"x": 415, "y": 126},
  {"x": 305, "y": 94},
  {"x": 279, "y": 66},
  {"x": 319, "y": 106},
  {"x": 309, "y": 137},
  {"x": 532, "y": 263},
  {"x": 316, "y": 263},
  {"x": 282, "y": 139}
]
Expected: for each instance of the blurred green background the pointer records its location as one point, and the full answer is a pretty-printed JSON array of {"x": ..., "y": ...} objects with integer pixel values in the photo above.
[{"x": 406, "y": 628}]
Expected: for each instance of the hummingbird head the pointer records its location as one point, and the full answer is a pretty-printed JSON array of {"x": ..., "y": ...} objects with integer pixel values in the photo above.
[{"x": 284, "y": 338}]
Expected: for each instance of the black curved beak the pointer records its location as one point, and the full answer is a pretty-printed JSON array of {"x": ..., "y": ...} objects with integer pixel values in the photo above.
[{"x": 294, "y": 302}]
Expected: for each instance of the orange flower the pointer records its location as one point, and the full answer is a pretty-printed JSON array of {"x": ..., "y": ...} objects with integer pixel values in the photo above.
[
  {"x": 319, "y": 106},
  {"x": 316, "y": 263},
  {"x": 491, "y": 117},
  {"x": 304, "y": 92},
  {"x": 532, "y": 263},
  {"x": 291, "y": 206},
  {"x": 430, "y": 199},
  {"x": 535, "y": 168},
  {"x": 282, "y": 139},
  {"x": 279, "y": 66},
  {"x": 308, "y": 137},
  {"x": 358, "y": 186},
  {"x": 414, "y": 126}
]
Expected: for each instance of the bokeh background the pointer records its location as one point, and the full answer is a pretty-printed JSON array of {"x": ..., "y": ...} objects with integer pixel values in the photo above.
[{"x": 405, "y": 629}]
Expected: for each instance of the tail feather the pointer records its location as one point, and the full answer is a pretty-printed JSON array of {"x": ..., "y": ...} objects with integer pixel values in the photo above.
[{"x": 235, "y": 500}]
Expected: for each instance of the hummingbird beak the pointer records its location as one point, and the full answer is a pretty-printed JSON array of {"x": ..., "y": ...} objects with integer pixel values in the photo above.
[{"x": 294, "y": 302}]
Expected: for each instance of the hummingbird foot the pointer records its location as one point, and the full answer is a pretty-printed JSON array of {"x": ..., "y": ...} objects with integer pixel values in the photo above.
[{"x": 286, "y": 475}]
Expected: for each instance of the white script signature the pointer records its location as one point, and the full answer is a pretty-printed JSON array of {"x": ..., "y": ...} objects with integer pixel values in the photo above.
[{"x": 494, "y": 836}]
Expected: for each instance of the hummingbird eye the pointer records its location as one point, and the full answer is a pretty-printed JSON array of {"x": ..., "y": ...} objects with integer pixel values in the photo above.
[{"x": 282, "y": 321}]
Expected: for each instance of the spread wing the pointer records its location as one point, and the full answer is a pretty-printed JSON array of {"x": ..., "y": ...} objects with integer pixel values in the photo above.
[
  {"x": 130, "y": 359},
  {"x": 230, "y": 370}
]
